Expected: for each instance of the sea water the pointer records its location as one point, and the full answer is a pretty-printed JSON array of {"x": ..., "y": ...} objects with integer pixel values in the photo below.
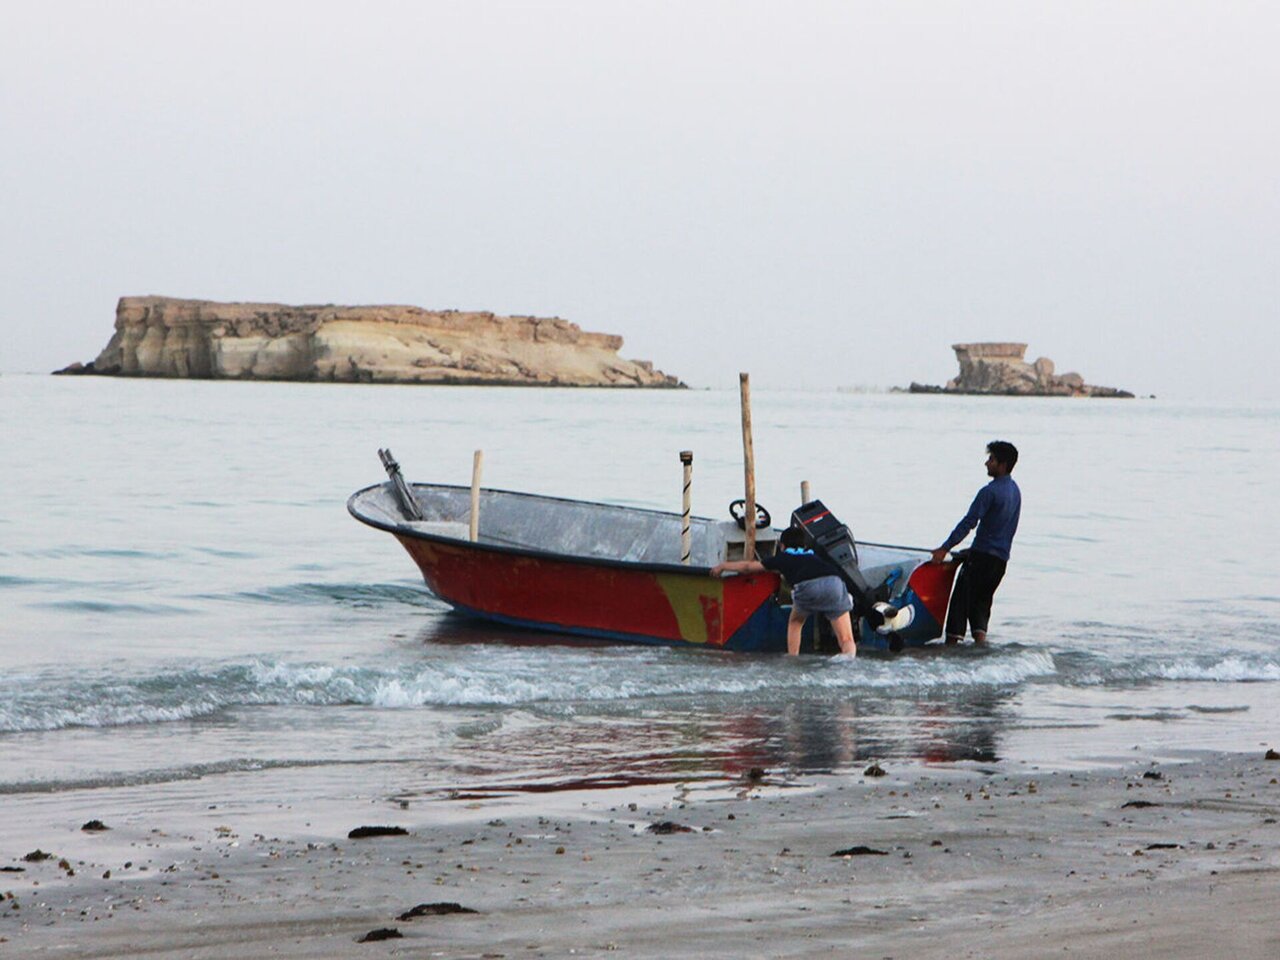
[{"x": 184, "y": 596}]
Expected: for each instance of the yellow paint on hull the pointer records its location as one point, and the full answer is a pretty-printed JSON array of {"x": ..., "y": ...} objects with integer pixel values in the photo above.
[{"x": 690, "y": 597}]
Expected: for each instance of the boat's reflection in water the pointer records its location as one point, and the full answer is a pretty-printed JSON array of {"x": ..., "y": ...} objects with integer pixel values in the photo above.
[{"x": 714, "y": 735}]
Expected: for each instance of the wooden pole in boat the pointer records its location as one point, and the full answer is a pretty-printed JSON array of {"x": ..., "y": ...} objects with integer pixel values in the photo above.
[
  {"x": 477, "y": 468},
  {"x": 749, "y": 469},
  {"x": 806, "y": 494},
  {"x": 686, "y": 537}
]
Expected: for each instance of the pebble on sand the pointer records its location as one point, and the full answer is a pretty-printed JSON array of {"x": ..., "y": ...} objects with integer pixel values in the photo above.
[
  {"x": 359, "y": 833},
  {"x": 860, "y": 851},
  {"x": 669, "y": 826},
  {"x": 382, "y": 933},
  {"x": 434, "y": 910}
]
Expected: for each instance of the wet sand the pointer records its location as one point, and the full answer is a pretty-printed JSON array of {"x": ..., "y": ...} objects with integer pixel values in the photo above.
[{"x": 1144, "y": 860}]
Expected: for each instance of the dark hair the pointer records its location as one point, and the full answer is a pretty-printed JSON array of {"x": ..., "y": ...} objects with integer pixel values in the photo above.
[
  {"x": 792, "y": 537},
  {"x": 1004, "y": 452}
]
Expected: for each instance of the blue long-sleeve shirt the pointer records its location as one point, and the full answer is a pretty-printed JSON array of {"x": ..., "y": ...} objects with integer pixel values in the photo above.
[{"x": 995, "y": 510}]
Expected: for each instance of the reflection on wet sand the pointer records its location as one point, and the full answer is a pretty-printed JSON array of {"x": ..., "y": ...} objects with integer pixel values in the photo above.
[{"x": 597, "y": 745}]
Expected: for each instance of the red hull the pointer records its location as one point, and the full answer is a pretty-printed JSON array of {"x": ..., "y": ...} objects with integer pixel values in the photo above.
[{"x": 585, "y": 597}]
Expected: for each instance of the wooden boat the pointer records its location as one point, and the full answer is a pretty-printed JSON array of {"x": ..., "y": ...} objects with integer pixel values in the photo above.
[{"x": 613, "y": 572}]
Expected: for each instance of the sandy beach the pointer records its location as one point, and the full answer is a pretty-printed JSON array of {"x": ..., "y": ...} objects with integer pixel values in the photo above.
[
  {"x": 592, "y": 275},
  {"x": 1169, "y": 860}
]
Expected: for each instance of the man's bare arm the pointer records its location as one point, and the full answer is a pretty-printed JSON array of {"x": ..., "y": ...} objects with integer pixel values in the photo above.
[{"x": 737, "y": 566}]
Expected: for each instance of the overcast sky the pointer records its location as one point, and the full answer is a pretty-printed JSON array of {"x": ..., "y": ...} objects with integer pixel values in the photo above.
[{"x": 820, "y": 193}]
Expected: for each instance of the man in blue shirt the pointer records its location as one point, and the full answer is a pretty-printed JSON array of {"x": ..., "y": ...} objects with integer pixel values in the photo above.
[{"x": 995, "y": 511}]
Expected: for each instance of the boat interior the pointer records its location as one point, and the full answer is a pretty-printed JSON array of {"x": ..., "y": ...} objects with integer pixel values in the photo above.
[{"x": 591, "y": 530}]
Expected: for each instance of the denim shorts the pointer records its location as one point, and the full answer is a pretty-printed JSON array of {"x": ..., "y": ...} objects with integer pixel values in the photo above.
[{"x": 826, "y": 595}]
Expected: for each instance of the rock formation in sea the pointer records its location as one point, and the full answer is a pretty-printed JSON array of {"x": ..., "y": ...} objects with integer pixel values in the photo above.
[
  {"x": 1000, "y": 368},
  {"x": 199, "y": 339}
]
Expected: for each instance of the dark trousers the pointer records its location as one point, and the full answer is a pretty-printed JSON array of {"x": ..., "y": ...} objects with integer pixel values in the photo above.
[{"x": 971, "y": 599}]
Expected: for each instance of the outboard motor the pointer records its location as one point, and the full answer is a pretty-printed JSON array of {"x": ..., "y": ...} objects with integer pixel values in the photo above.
[{"x": 833, "y": 541}]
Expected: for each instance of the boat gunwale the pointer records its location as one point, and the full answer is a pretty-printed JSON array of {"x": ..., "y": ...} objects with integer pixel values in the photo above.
[{"x": 403, "y": 530}]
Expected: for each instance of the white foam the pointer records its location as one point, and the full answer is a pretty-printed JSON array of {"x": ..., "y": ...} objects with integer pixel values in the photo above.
[
  {"x": 101, "y": 715},
  {"x": 507, "y": 678},
  {"x": 1230, "y": 669},
  {"x": 290, "y": 674},
  {"x": 990, "y": 671}
]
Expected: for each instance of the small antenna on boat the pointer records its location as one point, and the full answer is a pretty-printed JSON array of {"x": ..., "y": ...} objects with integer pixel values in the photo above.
[
  {"x": 408, "y": 502},
  {"x": 686, "y": 539}
]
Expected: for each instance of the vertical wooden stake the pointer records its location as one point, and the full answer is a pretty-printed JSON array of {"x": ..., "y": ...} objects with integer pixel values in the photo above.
[
  {"x": 749, "y": 468},
  {"x": 686, "y": 537},
  {"x": 806, "y": 494},
  {"x": 477, "y": 468}
]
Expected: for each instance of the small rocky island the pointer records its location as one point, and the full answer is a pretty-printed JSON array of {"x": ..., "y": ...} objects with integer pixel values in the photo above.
[
  {"x": 1001, "y": 369},
  {"x": 199, "y": 339}
]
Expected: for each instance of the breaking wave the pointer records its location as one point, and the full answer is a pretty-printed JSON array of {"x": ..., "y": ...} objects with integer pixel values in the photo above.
[
  {"x": 507, "y": 677},
  {"x": 1232, "y": 669}
]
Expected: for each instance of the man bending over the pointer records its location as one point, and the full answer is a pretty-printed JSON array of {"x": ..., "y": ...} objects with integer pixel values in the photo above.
[{"x": 816, "y": 587}]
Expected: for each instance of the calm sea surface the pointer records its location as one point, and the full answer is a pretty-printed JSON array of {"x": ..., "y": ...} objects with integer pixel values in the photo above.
[{"x": 183, "y": 595}]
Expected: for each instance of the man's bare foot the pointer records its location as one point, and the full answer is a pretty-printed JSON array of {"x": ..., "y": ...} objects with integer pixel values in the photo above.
[
  {"x": 952, "y": 639},
  {"x": 979, "y": 638}
]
